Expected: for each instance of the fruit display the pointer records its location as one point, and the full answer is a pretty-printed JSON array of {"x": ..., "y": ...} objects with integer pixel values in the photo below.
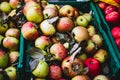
[{"x": 49, "y": 41}]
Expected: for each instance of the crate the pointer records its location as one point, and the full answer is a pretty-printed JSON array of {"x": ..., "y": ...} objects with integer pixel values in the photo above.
[{"x": 85, "y": 7}]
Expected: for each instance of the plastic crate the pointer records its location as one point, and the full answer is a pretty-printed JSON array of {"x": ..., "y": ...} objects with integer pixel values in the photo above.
[
  {"x": 85, "y": 7},
  {"x": 107, "y": 29}
]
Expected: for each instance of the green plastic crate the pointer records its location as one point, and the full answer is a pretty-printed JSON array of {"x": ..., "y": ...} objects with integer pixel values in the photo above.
[
  {"x": 107, "y": 29},
  {"x": 85, "y": 7}
]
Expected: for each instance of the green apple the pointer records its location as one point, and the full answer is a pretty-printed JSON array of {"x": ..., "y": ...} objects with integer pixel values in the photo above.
[
  {"x": 80, "y": 33},
  {"x": 3, "y": 28},
  {"x": 39, "y": 79},
  {"x": 47, "y": 28},
  {"x": 42, "y": 42},
  {"x": 4, "y": 59},
  {"x": 82, "y": 56},
  {"x": 5, "y": 7},
  {"x": 42, "y": 70},
  {"x": 91, "y": 30},
  {"x": 11, "y": 72},
  {"x": 81, "y": 77},
  {"x": 87, "y": 16},
  {"x": 82, "y": 21},
  {"x": 101, "y": 77},
  {"x": 11, "y": 43},
  {"x": 13, "y": 56},
  {"x": 101, "y": 55},
  {"x": 1, "y": 38},
  {"x": 97, "y": 39},
  {"x": 34, "y": 14}
]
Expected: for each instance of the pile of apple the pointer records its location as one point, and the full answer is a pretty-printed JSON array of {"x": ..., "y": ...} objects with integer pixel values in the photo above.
[
  {"x": 9, "y": 42},
  {"x": 64, "y": 42},
  {"x": 112, "y": 16}
]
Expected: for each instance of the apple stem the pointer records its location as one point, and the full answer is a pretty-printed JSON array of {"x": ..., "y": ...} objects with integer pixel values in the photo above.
[{"x": 75, "y": 53}]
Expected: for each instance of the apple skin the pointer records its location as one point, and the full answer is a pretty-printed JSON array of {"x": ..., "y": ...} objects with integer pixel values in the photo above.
[
  {"x": 13, "y": 32},
  {"x": 82, "y": 21},
  {"x": 13, "y": 56},
  {"x": 42, "y": 69},
  {"x": 55, "y": 72},
  {"x": 117, "y": 41},
  {"x": 115, "y": 32},
  {"x": 67, "y": 11},
  {"x": 1, "y": 39},
  {"x": 80, "y": 33},
  {"x": 11, "y": 43},
  {"x": 109, "y": 9},
  {"x": 93, "y": 66},
  {"x": 112, "y": 17},
  {"x": 39, "y": 79},
  {"x": 65, "y": 24},
  {"x": 72, "y": 68},
  {"x": 51, "y": 6},
  {"x": 47, "y": 28},
  {"x": 81, "y": 77},
  {"x": 29, "y": 31},
  {"x": 87, "y": 16},
  {"x": 34, "y": 14},
  {"x": 42, "y": 41},
  {"x": 44, "y": 4},
  {"x": 5, "y": 7},
  {"x": 4, "y": 59},
  {"x": 11, "y": 72},
  {"x": 59, "y": 51},
  {"x": 101, "y": 55},
  {"x": 82, "y": 56},
  {"x": 76, "y": 14},
  {"x": 50, "y": 13},
  {"x": 3, "y": 28},
  {"x": 91, "y": 30},
  {"x": 102, "y": 5},
  {"x": 14, "y": 3},
  {"x": 100, "y": 77}
]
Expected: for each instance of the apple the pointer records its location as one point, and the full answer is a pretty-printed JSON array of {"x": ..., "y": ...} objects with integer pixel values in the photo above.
[
  {"x": 102, "y": 5},
  {"x": 14, "y": 3},
  {"x": 82, "y": 56},
  {"x": 118, "y": 1},
  {"x": 97, "y": 39},
  {"x": 59, "y": 51},
  {"x": 80, "y": 33},
  {"x": 101, "y": 55},
  {"x": 91, "y": 30},
  {"x": 4, "y": 59},
  {"x": 117, "y": 41},
  {"x": 29, "y": 31},
  {"x": 82, "y": 21},
  {"x": 55, "y": 72},
  {"x": 5, "y": 7},
  {"x": 67, "y": 11},
  {"x": 34, "y": 14},
  {"x": 90, "y": 48},
  {"x": 65, "y": 24},
  {"x": 44, "y": 4},
  {"x": 109, "y": 9},
  {"x": 49, "y": 13},
  {"x": 3, "y": 28},
  {"x": 115, "y": 32},
  {"x": 93, "y": 66},
  {"x": 13, "y": 32},
  {"x": 42, "y": 69},
  {"x": 51, "y": 6},
  {"x": 13, "y": 56},
  {"x": 39, "y": 79},
  {"x": 29, "y": 5},
  {"x": 81, "y": 77},
  {"x": 87, "y": 16},
  {"x": 113, "y": 17},
  {"x": 42, "y": 41},
  {"x": 1, "y": 39},
  {"x": 76, "y": 14},
  {"x": 11, "y": 72},
  {"x": 72, "y": 68},
  {"x": 47, "y": 28},
  {"x": 101, "y": 77}
]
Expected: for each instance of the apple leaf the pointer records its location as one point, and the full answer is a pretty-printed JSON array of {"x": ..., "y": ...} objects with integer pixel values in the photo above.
[
  {"x": 35, "y": 53},
  {"x": 33, "y": 63},
  {"x": 52, "y": 20}
]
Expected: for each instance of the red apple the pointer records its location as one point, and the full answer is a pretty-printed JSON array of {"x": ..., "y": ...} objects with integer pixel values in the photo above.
[
  {"x": 109, "y": 9},
  {"x": 55, "y": 72},
  {"x": 115, "y": 32},
  {"x": 72, "y": 67},
  {"x": 118, "y": 43},
  {"x": 118, "y": 1},
  {"x": 93, "y": 66},
  {"x": 59, "y": 51},
  {"x": 113, "y": 17},
  {"x": 29, "y": 31},
  {"x": 65, "y": 24},
  {"x": 102, "y": 5},
  {"x": 14, "y": 3}
]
